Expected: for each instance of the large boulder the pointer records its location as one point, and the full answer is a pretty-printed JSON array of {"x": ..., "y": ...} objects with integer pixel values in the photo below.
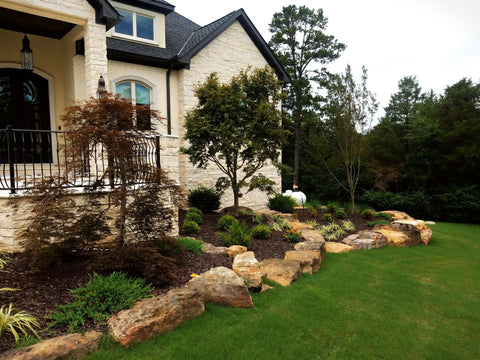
[
  {"x": 394, "y": 237},
  {"x": 309, "y": 260},
  {"x": 313, "y": 241},
  {"x": 398, "y": 215},
  {"x": 72, "y": 346},
  {"x": 281, "y": 271},
  {"x": 248, "y": 267},
  {"x": 415, "y": 229},
  {"x": 297, "y": 225},
  {"x": 212, "y": 249},
  {"x": 336, "y": 248},
  {"x": 365, "y": 240},
  {"x": 222, "y": 286},
  {"x": 234, "y": 250},
  {"x": 155, "y": 316}
]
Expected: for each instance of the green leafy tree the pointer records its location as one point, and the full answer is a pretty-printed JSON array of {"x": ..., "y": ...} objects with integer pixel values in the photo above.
[
  {"x": 349, "y": 112},
  {"x": 237, "y": 127},
  {"x": 403, "y": 104},
  {"x": 300, "y": 42}
]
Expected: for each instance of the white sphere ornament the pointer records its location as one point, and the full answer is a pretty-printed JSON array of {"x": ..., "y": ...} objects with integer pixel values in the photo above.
[{"x": 299, "y": 197}]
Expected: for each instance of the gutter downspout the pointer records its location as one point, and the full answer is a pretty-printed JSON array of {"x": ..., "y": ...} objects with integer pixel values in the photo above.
[{"x": 169, "y": 110}]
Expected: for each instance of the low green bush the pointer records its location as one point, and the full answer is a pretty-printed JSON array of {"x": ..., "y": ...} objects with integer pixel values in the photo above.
[
  {"x": 332, "y": 208},
  {"x": 225, "y": 221},
  {"x": 281, "y": 203},
  {"x": 193, "y": 245},
  {"x": 194, "y": 214},
  {"x": 261, "y": 232},
  {"x": 368, "y": 214},
  {"x": 99, "y": 299},
  {"x": 312, "y": 212},
  {"x": 327, "y": 217},
  {"x": 332, "y": 232},
  {"x": 348, "y": 226},
  {"x": 292, "y": 236},
  {"x": 341, "y": 214},
  {"x": 205, "y": 199},
  {"x": 373, "y": 223},
  {"x": 190, "y": 227},
  {"x": 279, "y": 223},
  {"x": 237, "y": 234},
  {"x": 384, "y": 216}
]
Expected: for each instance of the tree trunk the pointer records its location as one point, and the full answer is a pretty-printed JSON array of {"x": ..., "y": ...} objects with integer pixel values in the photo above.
[
  {"x": 235, "y": 202},
  {"x": 122, "y": 216},
  {"x": 296, "y": 156}
]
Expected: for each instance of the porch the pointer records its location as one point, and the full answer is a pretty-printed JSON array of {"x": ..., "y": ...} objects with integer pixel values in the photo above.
[{"x": 29, "y": 156}]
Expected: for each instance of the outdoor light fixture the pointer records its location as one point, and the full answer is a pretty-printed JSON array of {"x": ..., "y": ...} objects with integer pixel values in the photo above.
[
  {"x": 27, "y": 55},
  {"x": 101, "y": 89}
]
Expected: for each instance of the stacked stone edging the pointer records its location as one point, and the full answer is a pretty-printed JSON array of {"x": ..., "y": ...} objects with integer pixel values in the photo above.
[{"x": 227, "y": 287}]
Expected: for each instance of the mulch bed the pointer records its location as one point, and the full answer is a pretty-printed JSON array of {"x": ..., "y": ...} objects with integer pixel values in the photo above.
[{"x": 40, "y": 293}]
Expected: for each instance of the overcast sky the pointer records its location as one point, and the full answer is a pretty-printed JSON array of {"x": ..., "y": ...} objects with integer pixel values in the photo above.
[{"x": 438, "y": 41}]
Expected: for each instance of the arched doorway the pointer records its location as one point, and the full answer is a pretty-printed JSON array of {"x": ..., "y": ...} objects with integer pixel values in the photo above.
[{"x": 24, "y": 104}]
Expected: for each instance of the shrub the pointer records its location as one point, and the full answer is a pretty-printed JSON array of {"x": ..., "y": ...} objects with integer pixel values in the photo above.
[
  {"x": 292, "y": 236},
  {"x": 312, "y": 212},
  {"x": 348, "y": 226},
  {"x": 281, "y": 203},
  {"x": 138, "y": 261},
  {"x": 225, "y": 221},
  {"x": 327, "y": 217},
  {"x": 368, "y": 214},
  {"x": 204, "y": 198},
  {"x": 14, "y": 322},
  {"x": 193, "y": 214},
  {"x": 373, "y": 223},
  {"x": 238, "y": 234},
  {"x": 259, "y": 218},
  {"x": 190, "y": 227},
  {"x": 193, "y": 245},
  {"x": 99, "y": 299},
  {"x": 384, "y": 216},
  {"x": 279, "y": 223},
  {"x": 332, "y": 232},
  {"x": 332, "y": 208},
  {"x": 261, "y": 232},
  {"x": 341, "y": 214}
]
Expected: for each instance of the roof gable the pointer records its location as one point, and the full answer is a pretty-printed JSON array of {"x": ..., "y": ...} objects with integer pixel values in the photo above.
[{"x": 201, "y": 37}]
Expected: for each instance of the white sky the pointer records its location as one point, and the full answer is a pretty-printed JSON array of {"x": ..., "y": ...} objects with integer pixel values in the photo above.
[{"x": 436, "y": 40}]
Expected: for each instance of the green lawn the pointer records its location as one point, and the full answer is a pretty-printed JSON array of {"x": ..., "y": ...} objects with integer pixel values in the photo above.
[{"x": 391, "y": 303}]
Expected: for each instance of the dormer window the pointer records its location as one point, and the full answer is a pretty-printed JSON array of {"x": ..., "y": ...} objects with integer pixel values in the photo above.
[
  {"x": 136, "y": 25},
  {"x": 139, "y": 25}
]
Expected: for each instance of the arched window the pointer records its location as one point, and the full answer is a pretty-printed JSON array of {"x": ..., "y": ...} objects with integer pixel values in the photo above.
[{"x": 140, "y": 96}]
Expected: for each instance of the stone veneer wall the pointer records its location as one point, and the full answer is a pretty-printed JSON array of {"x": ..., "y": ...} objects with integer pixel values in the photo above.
[
  {"x": 16, "y": 214},
  {"x": 230, "y": 52}
]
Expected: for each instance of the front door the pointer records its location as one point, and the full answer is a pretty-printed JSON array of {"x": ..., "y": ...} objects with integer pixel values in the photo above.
[{"x": 24, "y": 104}]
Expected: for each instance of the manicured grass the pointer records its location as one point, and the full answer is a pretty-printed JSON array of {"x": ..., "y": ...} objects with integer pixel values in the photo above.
[{"x": 421, "y": 302}]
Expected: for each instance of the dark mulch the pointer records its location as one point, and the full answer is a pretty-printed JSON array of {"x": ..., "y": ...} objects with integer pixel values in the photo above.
[{"x": 40, "y": 293}]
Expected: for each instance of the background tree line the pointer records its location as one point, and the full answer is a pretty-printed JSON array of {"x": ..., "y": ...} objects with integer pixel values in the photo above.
[{"x": 422, "y": 156}]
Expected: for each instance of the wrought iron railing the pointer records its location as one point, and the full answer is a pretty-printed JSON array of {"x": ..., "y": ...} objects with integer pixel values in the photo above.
[{"x": 27, "y": 157}]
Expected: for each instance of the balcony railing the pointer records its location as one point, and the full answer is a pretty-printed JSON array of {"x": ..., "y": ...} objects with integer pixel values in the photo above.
[{"x": 27, "y": 157}]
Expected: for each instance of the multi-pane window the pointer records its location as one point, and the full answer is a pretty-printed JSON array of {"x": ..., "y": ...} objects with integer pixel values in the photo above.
[
  {"x": 136, "y": 25},
  {"x": 140, "y": 96}
]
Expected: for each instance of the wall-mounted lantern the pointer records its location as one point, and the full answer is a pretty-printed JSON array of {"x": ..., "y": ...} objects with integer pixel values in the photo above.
[
  {"x": 101, "y": 89},
  {"x": 27, "y": 55}
]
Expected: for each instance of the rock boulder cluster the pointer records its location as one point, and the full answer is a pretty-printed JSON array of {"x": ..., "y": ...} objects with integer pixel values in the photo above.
[{"x": 228, "y": 287}]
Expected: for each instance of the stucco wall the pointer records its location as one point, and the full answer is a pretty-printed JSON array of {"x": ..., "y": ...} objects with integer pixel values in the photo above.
[{"x": 229, "y": 53}]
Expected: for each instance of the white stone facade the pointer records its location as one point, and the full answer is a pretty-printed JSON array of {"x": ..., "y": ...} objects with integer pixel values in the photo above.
[
  {"x": 73, "y": 77},
  {"x": 233, "y": 51}
]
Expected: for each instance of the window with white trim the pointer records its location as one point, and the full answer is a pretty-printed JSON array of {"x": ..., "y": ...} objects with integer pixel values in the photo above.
[
  {"x": 136, "y": 25},
  {"x": 140, "y": 95}
]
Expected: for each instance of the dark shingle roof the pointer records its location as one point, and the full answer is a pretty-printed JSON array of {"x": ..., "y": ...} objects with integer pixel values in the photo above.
[{"x": 184, "y": 39}]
